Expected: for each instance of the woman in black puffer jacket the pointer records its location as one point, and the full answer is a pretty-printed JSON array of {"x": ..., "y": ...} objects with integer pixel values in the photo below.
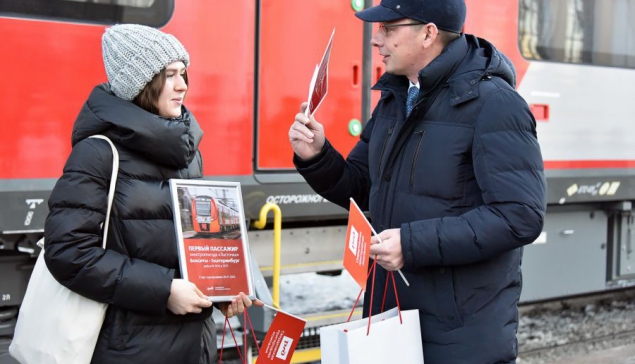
[{"x": 153, "y": 316}]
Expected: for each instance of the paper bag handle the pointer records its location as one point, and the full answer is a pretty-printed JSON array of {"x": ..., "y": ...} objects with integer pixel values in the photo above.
[{"x": 390, "y": 276}]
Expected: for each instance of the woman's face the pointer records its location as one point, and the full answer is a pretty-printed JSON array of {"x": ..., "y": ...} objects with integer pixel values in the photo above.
[{"x": 173, "y": 92}]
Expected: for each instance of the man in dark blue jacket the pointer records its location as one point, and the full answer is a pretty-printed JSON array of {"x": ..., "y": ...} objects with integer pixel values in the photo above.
[{"x": 450, "y": 169}]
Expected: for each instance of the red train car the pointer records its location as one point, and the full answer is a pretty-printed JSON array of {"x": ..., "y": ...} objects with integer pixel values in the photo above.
[
  {"x": 251, "y": 65},
  {"x": 228, "y": 218},
  {"x": 211, "y": 216},
  {"x": 246, "y": 82},
  {"x": 204, "y": 213}
]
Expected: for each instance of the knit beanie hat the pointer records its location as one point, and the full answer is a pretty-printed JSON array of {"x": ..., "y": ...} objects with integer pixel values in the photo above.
[{"x": 134, "y": 54}]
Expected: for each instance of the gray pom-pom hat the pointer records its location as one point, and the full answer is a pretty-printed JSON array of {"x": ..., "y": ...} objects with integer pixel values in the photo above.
[{"x": 133, "y": 54}]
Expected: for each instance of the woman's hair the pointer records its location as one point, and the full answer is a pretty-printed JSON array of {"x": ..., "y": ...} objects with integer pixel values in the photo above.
[{"x": 148, "y": 97}]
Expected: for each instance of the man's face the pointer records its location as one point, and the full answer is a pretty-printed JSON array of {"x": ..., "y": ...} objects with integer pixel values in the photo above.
[{"x": 400, "y": 43}]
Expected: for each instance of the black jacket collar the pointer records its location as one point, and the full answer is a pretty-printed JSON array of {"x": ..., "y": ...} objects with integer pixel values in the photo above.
[
  {"x": 169, "y": 142},
  {"x": 461, "y": 65}
]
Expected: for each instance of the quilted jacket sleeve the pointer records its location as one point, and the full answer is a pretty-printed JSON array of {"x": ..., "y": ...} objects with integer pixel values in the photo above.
[
  {"x": 509, "y": 170},
  {"x": 337, "y": 179},
  {"x": 73, "y": 250}
]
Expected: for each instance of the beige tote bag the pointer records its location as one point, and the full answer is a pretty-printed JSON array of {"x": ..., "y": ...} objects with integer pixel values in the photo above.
[{"x": 56, "y": 325}]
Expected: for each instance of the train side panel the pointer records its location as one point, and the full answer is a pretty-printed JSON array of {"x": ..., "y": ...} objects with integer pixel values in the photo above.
[
  {"x": 251, "y": 64},
  {"x": 573, "y": 61}
]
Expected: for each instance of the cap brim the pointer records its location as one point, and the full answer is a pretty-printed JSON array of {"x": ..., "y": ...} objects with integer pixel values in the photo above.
[{"x": 378, "y": 14}]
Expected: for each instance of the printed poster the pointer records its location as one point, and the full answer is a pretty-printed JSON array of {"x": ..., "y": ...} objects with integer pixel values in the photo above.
[{"x": 212, "y": 237}]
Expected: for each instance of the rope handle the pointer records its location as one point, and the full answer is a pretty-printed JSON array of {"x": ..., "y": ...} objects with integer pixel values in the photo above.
[
  {"x": 390, "y": 276},
  {"x": 243, "y": 356}
]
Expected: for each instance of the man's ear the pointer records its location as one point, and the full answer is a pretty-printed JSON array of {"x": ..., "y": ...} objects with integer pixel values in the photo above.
[{"x": 431, "y": 32}]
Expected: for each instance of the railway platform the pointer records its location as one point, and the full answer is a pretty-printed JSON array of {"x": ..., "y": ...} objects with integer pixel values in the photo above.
[{"x": 618, "y": 355}]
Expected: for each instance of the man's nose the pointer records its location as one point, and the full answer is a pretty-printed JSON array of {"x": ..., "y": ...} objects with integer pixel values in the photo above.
[{"x": 378, "y": 39}]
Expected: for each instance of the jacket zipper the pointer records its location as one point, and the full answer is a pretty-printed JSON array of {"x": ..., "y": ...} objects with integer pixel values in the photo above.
[
  {"x": 381, "y": 156},
  {"x": 414, "y": 159}
]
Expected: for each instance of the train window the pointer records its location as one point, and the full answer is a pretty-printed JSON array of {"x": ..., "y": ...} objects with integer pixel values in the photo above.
[
  {"x": 154, "y": 13},
  {"x": 595, "y": 32},
  {"x": 203, "y": 207}
]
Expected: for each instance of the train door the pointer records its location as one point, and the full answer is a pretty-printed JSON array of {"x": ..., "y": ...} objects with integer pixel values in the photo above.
[
  {"x": 292, "y": 36},
  {"x": 219, "y": 35},
  {"x": 621, "y": 258}
]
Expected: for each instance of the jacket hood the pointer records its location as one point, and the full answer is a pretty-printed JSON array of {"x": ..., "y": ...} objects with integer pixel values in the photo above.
[
  {"x": 483, "y": 58},
  {"x": 169, "y": 142},
  {"x": 462, "y": 64},
  {"x": 480, "y": 60}
]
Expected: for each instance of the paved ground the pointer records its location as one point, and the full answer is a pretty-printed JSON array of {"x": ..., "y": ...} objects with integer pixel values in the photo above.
[
  {"x": 5, "y": 358},
  {"x": 618, "y": 355}
]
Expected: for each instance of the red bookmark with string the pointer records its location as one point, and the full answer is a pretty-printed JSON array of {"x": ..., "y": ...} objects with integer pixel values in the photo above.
[
  {"x": 357, "y": 248},
  {"x": 281, "y": 339}
]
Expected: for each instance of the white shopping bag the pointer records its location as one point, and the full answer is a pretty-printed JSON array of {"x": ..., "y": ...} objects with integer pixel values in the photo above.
[{"x": 389, "y": 340}]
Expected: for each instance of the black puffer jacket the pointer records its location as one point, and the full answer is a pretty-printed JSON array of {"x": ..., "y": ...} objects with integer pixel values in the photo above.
[
  {"x": 135, "y": 273},
  {"x": 462, "y": 177}
]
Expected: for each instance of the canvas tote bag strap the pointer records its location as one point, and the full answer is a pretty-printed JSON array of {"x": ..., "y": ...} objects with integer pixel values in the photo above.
[{"x": 113, "y": 183}]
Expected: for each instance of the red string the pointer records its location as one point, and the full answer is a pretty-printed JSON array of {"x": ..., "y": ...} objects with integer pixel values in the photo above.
[
  {"x": 383, "y": 301},
  {"x": 392, "y": 275},
  {"x": 371, "y": 270},
  {"x": 222, "y": 343},
  {"x": 355, "y": 305},
  {"x": 372, "y": 291},
  {"x": 245, "y": 333},
  {"x": 247, "y": 320},
  {"x": 360, "y": 294},
  {"x": 253, "y": 333},
  {"x": 236, "y": 342}
]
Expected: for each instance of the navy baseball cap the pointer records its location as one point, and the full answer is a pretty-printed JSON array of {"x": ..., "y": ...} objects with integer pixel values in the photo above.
[{"x": 448, "y": 15}]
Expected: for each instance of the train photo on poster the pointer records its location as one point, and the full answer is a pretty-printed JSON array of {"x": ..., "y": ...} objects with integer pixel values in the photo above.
[{"x": 211, "y": 215}]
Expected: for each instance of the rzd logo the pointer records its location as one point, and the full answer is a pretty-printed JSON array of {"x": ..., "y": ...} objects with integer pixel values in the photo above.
[
  {"x": 353, "y": 240},
  {"x": 285, "y": 347},
  {"x": 33, "y": 203}
]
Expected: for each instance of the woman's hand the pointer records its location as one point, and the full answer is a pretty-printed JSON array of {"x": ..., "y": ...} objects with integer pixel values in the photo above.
[
  {"x": 186, "y": 298},
  {"x": 237, "y": 305}
]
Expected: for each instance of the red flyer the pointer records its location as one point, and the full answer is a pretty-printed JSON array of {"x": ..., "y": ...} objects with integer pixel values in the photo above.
[
  {"x": 357, "y": 247},
  {"x": 320, "y": 80},
  {"x": 281, "y": 339}
]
